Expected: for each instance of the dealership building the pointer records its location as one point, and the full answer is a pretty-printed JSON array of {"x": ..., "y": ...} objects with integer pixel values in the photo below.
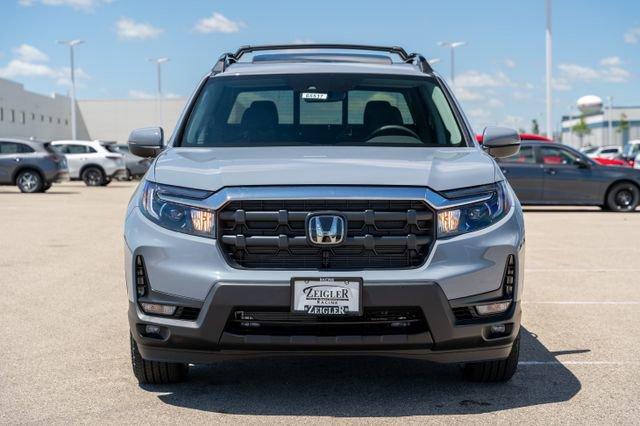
[
  {"x": 25, "y": 114},
  {"x": 598, "y": 124}
]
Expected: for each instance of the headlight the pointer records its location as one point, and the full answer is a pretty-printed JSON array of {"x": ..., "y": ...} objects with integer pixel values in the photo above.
[
  {"x": 475, "y": 216},
  {"x": 177, "y": 216}
]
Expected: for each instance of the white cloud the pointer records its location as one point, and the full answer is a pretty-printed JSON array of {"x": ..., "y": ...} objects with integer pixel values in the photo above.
[
  {"x": 19, "y": 68},
  {"x": 611, "y": 61},
  {"x": 27, "y": 53},
  {"x": 31, "y": 62},
  {"x": 218, "y": 23},
  {"x": 561, "y": 84},
  {"x": 578, "y": 72},
  {"x": 632, "y": 36},
  {"x": 616, "y": 75},
  {"x": 130, "y": 29},
  {"x": 84, "y": 5},
  {"x": 612, "y": 74},
  {"x": 514, "y": 121},
  {"x": 479, "y": 114},
  {"x": 495, "y": 103},
  {"x": 303, "y": 41},
  {"x": 467, "y": 95},
  {"x": 477, "y": 79},
  {"x": 510, "y": 63}
]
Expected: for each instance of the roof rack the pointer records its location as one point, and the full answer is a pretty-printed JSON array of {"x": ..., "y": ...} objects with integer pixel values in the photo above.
[{"x": 226, "y": 59}]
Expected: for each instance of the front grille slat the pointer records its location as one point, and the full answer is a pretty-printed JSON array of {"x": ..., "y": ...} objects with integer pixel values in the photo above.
[{"x": 269, "y": 234}]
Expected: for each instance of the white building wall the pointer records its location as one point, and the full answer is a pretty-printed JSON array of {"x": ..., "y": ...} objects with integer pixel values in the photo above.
[
  {"x": 26, "y": 114},
  {"x": 598, "y": 123},
  {"x": 113, "y": 120}
]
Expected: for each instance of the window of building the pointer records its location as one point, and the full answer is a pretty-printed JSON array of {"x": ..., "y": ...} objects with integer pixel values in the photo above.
[
  {"x": 24, "y": 117},
  {"x": 13, "y": 115},
  {"x": 1, "y": 114},
  {"x": 41, "y": 117},
  {"x": 33, "y": 116},
  {"x": 66, "y": 122},
  {"x": 58, "y": 121},
  {"x": 50, "y": 119}
]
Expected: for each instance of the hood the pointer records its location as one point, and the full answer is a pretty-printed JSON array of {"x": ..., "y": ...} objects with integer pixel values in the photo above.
[{"x": 215, "y": 168}]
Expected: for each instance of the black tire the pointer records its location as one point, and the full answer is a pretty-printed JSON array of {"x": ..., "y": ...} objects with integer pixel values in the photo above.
[
  {"x": 93, "y": 176},
  {"x": 155, "y": 372},
  {"x": 29, "y": 181},
  {"x": 494, "y": 371},
  {"x": 623, "y": 197}
]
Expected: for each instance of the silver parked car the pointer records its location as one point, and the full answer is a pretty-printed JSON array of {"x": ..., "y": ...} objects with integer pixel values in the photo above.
[
  {"x": 136, "y": 166},
  {"x": 324, "y": 202},
  {"x": 94, "y": 162},
  {"x": 31, "y": 165}
]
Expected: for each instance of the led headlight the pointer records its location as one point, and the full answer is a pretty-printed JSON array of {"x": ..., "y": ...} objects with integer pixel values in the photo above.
[
  {"x": 474, "y": 216},
  {"x": 159, "y": 205}
]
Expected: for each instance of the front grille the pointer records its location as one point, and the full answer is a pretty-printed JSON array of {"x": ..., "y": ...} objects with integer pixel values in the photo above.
[
  {"x": 282, "y": 322},
  {"x": 380, "y": 234}
]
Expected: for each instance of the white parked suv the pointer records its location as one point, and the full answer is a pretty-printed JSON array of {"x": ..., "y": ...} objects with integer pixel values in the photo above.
[
  {"x": 96, "y": 163},
  {"x": 317, "y": 203}
]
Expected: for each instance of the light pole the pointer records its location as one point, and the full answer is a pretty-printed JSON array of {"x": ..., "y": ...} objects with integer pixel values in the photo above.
[
  {"x": 609, "y": 124},
  {"x": 72, "y": 44},
  {"x": 159, "y": 62},
  {"x": 452, "y": 45},
  {"x": 548, "y": 69}
]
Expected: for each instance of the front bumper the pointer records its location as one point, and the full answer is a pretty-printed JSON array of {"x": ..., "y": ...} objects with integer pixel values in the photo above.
[
  {"x": 207, "y": 339},
  {"x": 191, "y": 271}
]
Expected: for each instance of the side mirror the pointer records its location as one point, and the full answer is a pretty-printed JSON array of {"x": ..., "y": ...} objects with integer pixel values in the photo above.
[
  {"x": 500, "y": 142},
  {"x": 580, "y": 163},
  {"x": 146, "y": 142}
]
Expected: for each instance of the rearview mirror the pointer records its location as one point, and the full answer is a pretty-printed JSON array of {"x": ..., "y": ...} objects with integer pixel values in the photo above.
[
  {"x": 146, "y": 142},
  {"x": 500, "y": 142}
]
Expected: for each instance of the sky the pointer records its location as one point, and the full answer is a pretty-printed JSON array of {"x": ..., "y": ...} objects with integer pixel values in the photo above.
[{"x": 499, "y": 77}]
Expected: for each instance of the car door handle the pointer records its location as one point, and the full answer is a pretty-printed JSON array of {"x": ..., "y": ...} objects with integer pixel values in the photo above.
[
  {"x": 551, "y": 171},
  {"x": 17, "y": 160}
]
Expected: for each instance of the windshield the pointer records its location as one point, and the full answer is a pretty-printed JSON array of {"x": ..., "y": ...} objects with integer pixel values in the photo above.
[{"x": 321, "y": 109}]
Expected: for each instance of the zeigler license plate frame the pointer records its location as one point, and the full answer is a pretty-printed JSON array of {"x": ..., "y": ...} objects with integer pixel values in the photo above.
[{"x": 327, "y": 296}]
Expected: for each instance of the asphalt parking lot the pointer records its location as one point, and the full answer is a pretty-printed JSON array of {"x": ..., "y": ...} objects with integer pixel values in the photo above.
[{"x": 65, "y": 352}]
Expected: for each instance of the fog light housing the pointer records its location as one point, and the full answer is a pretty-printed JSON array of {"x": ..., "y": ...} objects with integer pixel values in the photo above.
[
  {"x": 493, "y": 308},
  {"x": 152, "y": 329},
  {"x": 158, "y": 309},
  {"x": 495, "y": 329}
]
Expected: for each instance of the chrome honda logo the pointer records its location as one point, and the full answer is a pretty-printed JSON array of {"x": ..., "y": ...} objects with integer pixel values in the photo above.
[{"x": 326, "y": 229}]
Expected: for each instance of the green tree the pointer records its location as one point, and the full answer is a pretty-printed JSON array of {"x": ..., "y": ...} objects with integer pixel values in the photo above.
[
  {"x": 535, "y": 127},
  {"x": 623, "y": 125},
  {"x": 581, "y": 129}
]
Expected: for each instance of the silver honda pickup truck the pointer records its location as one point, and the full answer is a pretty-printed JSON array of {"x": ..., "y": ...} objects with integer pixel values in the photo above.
[{"x": 323, "y": 199}]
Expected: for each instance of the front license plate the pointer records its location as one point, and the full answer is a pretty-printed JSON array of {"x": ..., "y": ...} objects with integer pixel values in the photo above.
[{"x": 327, "y": 296}]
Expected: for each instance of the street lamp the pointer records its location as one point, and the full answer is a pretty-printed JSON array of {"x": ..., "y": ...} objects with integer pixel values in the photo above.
[
  {"x": 548, "y": 69},
  {"x": 72, "y": 44},
  {"x": 609, "y": 124},
  {"x": 159, "y": 62},
  {"x": 452, "y": 45}
]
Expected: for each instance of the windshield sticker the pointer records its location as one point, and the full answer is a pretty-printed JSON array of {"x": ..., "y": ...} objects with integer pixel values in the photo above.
[{"x": 315, "y": 96}]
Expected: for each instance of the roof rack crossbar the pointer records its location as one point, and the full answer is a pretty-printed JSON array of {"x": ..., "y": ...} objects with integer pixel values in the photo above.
[
  {"x": 228, "y": 58},
  {"x": 389, "y": 49}
]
